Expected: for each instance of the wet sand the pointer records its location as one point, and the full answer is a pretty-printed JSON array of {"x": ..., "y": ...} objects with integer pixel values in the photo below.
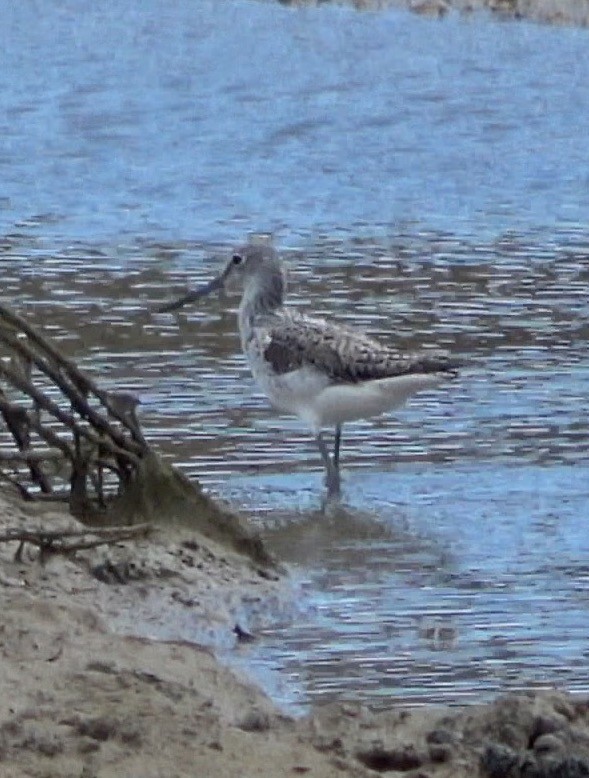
[{"x": 89, "y": 690}]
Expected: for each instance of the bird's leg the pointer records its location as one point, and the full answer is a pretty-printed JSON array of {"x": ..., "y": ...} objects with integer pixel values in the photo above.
[
  {"x": 338, "y": 440},
  {"x": 332, "y": 481}
]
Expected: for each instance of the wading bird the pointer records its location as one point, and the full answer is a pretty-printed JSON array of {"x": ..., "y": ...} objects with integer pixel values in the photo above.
[{"x": 324, "y": 373}]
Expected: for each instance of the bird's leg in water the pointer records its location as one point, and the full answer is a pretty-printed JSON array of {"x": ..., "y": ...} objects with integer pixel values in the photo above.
[
  {"x": 338, "y": 440},
  {"x": 332, "y": 480}
]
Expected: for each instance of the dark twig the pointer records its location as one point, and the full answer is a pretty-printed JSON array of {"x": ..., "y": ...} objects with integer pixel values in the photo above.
[
  {"x": 56, "y": 541},
  {"x": 91, "y": 439},
  {"x": 82, "y": 381},
  {"x": 28, "y": 455},
  {"x": 17, "y": 421},
  {"x": 77, "y": 399},
  {"x": 63, "y": 416},
  {"x": 50, "y": 437}
]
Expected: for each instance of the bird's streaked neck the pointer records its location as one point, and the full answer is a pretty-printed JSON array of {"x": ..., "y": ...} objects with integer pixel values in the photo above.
[{"x": 263, "y": 292}]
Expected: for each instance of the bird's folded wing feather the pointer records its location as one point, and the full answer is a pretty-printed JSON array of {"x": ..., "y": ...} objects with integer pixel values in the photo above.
[{"x": 293, "y": 341}]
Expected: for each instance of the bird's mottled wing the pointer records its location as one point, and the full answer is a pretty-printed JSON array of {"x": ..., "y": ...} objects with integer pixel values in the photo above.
[{"x": 294, "y": 341}]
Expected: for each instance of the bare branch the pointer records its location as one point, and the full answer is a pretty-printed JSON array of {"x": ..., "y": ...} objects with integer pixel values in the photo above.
[
  {"x": 29, "y": 455},
  {"x": 84, "y": 426},
  {"x": 80, "y": 379},
  {"x": 77, "y": 399},
  {"x": 56, "y": 541},
  {"x": 66, "y": 418}
]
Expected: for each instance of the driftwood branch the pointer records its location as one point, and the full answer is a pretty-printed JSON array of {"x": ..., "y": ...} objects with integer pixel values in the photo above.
[
  {"x": 48, "y": 435},
  {"x": 80, "y": 379},
  {"x": 17, "y": 422},
  {"x": 93, "y": 431},
  {"x": 75, "y": 396},
  {"x": 66, "y": 418},
  {"x": 29, "y": 455},
  {"x": 67, "y": 541}
]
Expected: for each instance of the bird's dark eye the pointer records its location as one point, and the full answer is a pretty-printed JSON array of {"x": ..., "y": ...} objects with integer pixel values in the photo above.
[{"x": 237, "y": 259}]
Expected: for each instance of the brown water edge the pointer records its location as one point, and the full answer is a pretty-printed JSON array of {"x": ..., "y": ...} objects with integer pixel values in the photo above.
[{"x": 557, "y": 12}]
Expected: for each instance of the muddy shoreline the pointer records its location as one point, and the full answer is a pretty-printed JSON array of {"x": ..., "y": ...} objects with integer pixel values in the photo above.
[
  {"x": 558, "y": 12},
  {"x": 96, "y": 682}
]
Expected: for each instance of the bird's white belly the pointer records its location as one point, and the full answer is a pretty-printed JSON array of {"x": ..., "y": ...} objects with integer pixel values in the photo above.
[
  {"x": 310, "y": 395},
  {"x": 349, "y": 402},
  {"x": 292, "y": 392}
]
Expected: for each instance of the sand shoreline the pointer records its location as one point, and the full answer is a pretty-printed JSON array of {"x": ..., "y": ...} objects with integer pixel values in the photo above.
[
  {"x": 573, "y": 13},
  {"x": 81, "y": 698}
]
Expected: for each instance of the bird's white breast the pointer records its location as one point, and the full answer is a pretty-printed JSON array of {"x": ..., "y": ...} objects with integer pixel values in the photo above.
[{"x": 315, "y": 397}]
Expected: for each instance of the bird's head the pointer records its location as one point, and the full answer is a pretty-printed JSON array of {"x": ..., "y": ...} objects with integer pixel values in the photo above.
[{"x": 248, "y": 265}]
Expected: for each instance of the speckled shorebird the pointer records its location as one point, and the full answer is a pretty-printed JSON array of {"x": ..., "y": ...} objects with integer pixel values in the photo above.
[{"x": 324, "y": 373}]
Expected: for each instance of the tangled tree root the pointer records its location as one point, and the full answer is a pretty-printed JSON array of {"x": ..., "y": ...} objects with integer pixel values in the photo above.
[{"x": 69, "y": 439}]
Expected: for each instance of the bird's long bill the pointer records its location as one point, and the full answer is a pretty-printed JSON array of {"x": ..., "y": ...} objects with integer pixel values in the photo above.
[{"x": 195, "y": 294}]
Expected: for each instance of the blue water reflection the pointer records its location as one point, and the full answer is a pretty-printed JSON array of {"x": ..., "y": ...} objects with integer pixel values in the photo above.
[{"x": 251, "y": 115}]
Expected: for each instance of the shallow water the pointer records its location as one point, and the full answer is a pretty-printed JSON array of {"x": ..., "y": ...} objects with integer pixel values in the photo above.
[
  {"x": 456, "y": 582},
  {"x": 433, "y": 191}
]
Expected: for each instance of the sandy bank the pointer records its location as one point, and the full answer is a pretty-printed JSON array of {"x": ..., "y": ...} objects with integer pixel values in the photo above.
[
  {"x": 81, "y": 699},
  {"x": 563, "y": 12}
]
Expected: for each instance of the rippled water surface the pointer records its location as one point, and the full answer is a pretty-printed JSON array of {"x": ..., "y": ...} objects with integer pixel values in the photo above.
[{"x": 429, "y": 182}]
